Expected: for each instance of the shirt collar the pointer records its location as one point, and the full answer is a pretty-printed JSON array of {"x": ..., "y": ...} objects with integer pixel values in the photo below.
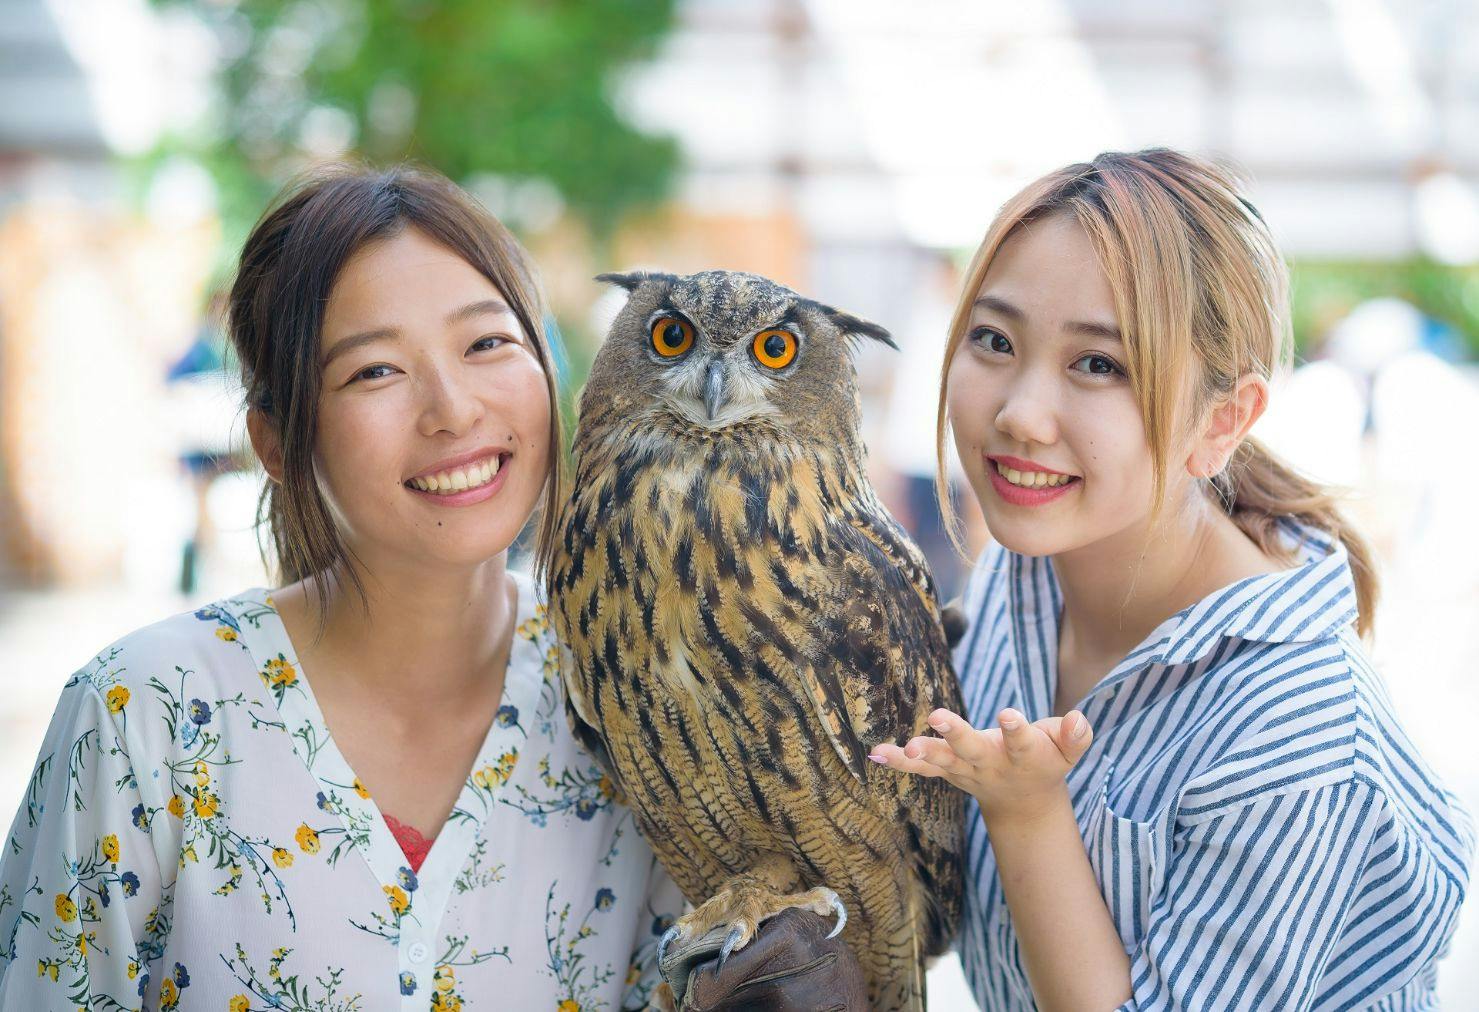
[{"x": 1312, "y": 600}]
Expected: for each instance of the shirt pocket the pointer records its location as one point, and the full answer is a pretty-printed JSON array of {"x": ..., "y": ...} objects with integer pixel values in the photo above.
[{"x": 1125, "y": 854}]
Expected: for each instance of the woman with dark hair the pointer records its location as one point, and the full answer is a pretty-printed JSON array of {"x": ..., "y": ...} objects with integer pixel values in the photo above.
[{"x": 357, "y": 791}]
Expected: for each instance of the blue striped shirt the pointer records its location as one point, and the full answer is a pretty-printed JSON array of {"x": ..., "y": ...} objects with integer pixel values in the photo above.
[{"x": 1264, "y": 833}]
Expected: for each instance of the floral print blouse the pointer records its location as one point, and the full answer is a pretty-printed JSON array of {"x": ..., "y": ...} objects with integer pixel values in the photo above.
[{"x": 191, "y": 838}]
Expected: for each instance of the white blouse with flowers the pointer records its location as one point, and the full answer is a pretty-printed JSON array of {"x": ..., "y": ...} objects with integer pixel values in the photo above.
[{"x": 191, "y": 838}]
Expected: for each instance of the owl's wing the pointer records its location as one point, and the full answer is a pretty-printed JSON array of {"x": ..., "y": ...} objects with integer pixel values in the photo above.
[
  {"x": 881, "y": 663},
  {"x": 582, "y": 726}
]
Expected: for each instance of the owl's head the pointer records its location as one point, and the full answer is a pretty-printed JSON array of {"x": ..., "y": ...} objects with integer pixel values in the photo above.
[{"x": 721, "y": 349}]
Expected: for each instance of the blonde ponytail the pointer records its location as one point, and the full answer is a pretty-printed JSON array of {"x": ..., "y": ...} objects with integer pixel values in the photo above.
[{"x": 1258, "y": 489}]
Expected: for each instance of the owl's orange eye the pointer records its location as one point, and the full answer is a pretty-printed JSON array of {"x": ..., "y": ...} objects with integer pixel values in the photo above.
[
  {"x": 671, "y": 336},
  {"x": 775, "y": 348}
]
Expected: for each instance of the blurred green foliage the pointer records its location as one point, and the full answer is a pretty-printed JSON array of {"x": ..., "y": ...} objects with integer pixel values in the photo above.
[
  {"x": 1326, "y": 290},
  {"x": 518, "y": 91}
]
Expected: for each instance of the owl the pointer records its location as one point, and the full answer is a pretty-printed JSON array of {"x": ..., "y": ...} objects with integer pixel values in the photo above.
[{"x": 741, "y": 620}]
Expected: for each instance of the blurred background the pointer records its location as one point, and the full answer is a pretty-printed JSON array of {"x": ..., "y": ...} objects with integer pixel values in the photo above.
[{"x": 853, "y": 149}]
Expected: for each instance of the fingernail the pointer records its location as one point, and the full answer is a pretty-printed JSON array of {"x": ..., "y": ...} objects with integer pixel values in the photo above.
[
  {"x": 940, "y": 724},
  {"x": 877, "y": 758},
  {"x": 1080, "y": 728},
  {"x": 912, "y": 751},
  {"x": 1009, "y": 721}
]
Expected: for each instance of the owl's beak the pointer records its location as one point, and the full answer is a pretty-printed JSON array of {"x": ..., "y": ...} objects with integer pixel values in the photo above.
[{"x": 715, "y": 388}]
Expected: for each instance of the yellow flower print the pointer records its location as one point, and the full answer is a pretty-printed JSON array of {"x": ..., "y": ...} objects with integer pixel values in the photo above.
[
  {"x": 188, "y": 854},
  {"x": 240, "y": 1003},
  {"x": 177, "y": 806},
  {"x": 307, "y": 838},
  {"x": 65, "y": 908},
  {"x": 606, "y": 787},
  {"x": 110, "y": 848},
  {"x": 82, "y": 942},
  {"x": 445, "y": 1002},
  {"x": 568, "y": 1005},
  {"x": 117, "y": 698},
  {"x": 282, "y": 858},
  {"x": 359, "y": 788},
  {"x": 206, "y": 804},
  {"x": 202, "y": 774},
  {"x": 169, "y": 994},
  {"x": 495, "y": 776},
  {"x": 133, "y": 969},
  {"x": 444, "y": 979},
  {"x": 531, "y": 628},
  {"x": 399, "y": 901},
  {"x": 226, "y": 633},
  {"x": 279, "y": 673}
]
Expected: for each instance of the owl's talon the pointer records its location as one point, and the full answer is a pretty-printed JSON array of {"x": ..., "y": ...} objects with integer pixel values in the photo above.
[
  {"x": 665, "y": 941},
  {"x": 841, "y": 910},
  {"x": 730, "y": 941}
]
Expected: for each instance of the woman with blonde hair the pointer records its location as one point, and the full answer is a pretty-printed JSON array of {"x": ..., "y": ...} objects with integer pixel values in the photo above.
[{"x": 1247, "y": 825}]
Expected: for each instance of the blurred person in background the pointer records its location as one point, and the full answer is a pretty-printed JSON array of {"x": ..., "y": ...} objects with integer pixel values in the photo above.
[
  {"x": 197, "y": 386},
  {"x": 910, "y": 449}
]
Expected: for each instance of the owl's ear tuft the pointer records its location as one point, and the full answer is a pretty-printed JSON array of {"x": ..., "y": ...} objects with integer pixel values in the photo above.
[
  {"x": 856, "y": 326},
  {"x": 632, "y": 280}
]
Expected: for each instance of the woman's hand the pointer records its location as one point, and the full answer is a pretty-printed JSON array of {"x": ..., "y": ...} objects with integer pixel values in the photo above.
[
  {"x": 1015, "y": 771},
  {"x": 1070, "y": 947}
]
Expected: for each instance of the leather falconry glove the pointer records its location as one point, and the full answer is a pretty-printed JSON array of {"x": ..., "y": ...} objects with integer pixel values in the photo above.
[{"x": 789, "y": 966}]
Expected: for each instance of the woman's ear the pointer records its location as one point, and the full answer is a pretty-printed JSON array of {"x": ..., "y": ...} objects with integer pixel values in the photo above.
[
  {"x": 1227, "y": 426},
  {"x": 265, "y": 443}
]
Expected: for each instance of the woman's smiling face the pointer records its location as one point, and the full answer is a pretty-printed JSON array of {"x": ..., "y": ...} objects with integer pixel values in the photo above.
[
  {"x": 427, "y": 374},
  {"x": 1046, "y": 425}
]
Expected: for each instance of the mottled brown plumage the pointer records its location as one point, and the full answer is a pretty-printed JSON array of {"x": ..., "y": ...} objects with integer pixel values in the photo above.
[{"x": 743, "y": 621}]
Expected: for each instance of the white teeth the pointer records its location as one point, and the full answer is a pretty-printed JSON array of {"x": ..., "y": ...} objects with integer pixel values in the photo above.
[
  {"x": 460, "y": 479},
  {"x": 1033, "y": 479}
]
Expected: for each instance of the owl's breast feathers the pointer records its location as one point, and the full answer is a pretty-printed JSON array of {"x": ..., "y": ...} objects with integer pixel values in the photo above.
[{"x": 726, "y": 608}]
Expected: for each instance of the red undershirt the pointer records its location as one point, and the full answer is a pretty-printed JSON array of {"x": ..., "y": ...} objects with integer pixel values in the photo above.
[{"x": 413, "y": 844}]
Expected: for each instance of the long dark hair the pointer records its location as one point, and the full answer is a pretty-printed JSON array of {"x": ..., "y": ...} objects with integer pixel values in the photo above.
[{"x": 275, "y": 321}]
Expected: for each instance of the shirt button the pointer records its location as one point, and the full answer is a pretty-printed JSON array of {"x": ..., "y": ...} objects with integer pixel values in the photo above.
[{"x": 417, "y": 953}]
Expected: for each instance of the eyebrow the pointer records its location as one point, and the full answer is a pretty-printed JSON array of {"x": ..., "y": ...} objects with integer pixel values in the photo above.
[
  {"x": 1106, "y": 331},
  {"x": 472, "y": 309},
  {"x": 467, "y": 312}
]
